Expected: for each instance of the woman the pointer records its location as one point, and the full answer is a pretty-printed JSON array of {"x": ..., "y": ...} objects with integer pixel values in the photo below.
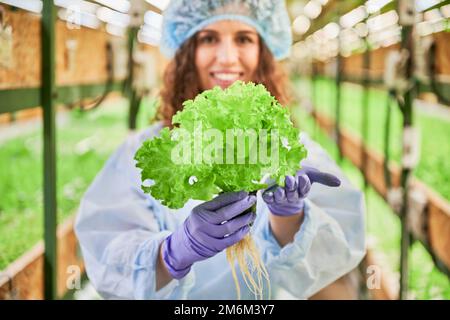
[{"x": 308, "y": 234}]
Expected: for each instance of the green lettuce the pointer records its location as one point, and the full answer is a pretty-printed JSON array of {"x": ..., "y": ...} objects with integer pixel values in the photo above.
[{"x": 200, "y": 170}]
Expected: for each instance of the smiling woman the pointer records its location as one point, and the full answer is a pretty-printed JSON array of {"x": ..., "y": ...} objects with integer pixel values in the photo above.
[
  {"x": 303, "y": 236},
  {"x": 223, "y": 52},
  {"x": 226, "y": 51}
]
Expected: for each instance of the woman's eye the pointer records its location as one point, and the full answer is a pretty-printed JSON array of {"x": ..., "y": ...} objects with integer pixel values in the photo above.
[
  {"x": 207, "y": 39},
  {"x": 244, "y": 40}
]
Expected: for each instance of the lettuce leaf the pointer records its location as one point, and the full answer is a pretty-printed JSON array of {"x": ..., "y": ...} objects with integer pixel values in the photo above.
[{"x": 205, "y": 171}]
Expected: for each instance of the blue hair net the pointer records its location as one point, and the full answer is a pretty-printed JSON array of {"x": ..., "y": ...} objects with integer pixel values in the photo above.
[{"x": 183, "y": 18}]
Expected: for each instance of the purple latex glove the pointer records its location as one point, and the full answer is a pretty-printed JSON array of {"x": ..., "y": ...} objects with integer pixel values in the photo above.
[
  {"x": 210, "y": 228},
  {"x": 289, "y": 200}
]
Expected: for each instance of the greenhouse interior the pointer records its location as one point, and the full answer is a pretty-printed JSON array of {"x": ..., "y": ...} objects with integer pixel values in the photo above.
[{"x": 84, "y": 83}]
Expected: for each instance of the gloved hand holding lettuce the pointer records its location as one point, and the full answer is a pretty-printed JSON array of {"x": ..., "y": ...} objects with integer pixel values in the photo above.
[
  {"x": 223, "y": 141},
  {"x": 241, "y": 108}
]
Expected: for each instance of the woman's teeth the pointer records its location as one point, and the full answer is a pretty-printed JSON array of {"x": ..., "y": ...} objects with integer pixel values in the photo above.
[{"x": 226, "y": 76}]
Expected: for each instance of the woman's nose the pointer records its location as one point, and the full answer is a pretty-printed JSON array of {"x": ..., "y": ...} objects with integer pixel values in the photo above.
[{"x": 227, "y": 53}]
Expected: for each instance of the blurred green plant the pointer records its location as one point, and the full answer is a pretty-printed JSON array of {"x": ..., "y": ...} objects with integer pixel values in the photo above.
[
  {"x": 433, "y": 168},
  {"x": 84, "y": 143},
  {"x": 383, "y": 226}
]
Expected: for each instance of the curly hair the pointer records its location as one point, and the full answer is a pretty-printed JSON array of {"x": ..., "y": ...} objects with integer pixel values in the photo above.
[{"x": 181, "y": 82}]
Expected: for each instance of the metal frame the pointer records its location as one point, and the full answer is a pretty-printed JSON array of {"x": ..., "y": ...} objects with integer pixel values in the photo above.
[
  {"x": 26, "y": 98},
  {"x": 133, "y": 96},
  {"x": 406, "y": 13},
  {"x": 48, "y": 93},
  {"x": 47, "y": 96},
  {"x": 365, "y": 109},
  {"x": 407, "y": 111},
  {"x": 338, "y": 82}
]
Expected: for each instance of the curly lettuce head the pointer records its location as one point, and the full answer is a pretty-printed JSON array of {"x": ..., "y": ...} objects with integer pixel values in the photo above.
[{"x": 223, "y": 140}]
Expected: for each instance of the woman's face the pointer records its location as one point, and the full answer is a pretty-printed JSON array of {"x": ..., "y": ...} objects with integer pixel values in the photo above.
[{"x": 226, "y": 51}]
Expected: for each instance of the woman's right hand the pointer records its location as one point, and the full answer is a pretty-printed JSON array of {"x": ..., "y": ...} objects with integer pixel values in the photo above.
[{"x": 210, "y": 228}]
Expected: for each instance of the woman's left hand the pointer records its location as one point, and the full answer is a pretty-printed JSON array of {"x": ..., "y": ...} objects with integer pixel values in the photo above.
[{"x": 289, "y": 200}]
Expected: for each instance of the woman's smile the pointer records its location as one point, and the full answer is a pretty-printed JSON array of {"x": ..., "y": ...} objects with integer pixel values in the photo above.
[
  {"x": 226, "y": 51},
  {"x": 224, "y": 78}
]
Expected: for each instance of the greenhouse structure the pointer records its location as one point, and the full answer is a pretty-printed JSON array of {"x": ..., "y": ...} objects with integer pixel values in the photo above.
[{"x": 368, "y": 81}]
